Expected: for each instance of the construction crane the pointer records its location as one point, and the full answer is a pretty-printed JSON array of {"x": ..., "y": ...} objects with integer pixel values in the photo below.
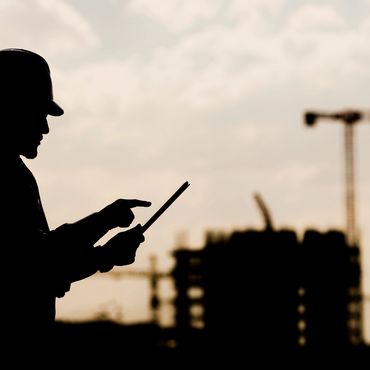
[
  {"x": 154, "y": 275},
  {"x": 349, "y": 118},
  {"x": 264, "y": 211}
]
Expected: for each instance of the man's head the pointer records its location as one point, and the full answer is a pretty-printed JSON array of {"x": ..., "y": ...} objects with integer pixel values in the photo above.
[{"x": 26, "y": 99}]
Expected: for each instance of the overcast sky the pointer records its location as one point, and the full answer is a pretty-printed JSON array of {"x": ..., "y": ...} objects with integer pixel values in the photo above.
[{"x": 158, "y": 92}]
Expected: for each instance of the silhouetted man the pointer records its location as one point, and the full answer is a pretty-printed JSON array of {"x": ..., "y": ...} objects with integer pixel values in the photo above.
[{"x": 39, "y": 264}]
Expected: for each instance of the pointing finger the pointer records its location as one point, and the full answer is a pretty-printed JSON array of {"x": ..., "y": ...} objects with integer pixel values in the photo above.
[{"x": 138, "y": 203}]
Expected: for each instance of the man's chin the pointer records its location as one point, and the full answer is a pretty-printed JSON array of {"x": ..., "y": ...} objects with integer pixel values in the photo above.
[{"x": 30, "y": 153}]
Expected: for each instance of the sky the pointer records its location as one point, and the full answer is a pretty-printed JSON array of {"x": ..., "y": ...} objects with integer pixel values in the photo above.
[{"x": 158, "y": 92}]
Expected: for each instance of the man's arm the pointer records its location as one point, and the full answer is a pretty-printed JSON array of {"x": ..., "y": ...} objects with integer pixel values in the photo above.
[
  {"x": 80, "y": 264},
  {"x": 90, "y": 229}
]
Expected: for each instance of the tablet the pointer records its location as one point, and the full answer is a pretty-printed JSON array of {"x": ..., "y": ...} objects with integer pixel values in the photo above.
[{"x": 170, "y": 200}]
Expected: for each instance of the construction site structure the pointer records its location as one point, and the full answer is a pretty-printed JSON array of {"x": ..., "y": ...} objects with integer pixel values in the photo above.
[
  {"x": 349, "y": 118},
  {"x": 267, "y": 291}
]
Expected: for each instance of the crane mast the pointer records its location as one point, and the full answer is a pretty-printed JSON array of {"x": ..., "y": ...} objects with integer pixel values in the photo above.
[{"x": 352, "y": 237}]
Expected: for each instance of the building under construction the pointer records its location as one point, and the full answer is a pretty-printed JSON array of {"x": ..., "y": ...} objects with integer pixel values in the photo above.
[{"x": 269, "y": 292}]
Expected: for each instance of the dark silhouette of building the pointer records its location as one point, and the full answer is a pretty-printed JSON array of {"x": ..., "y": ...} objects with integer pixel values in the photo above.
[{"x": 270, "y": 292}]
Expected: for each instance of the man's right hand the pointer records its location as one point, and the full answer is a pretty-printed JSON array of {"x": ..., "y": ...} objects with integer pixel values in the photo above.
[{"x": 119, "y": 213}]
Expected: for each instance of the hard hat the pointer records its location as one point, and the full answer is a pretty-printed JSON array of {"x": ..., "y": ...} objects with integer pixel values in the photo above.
[{"x": 25, "y": 79}]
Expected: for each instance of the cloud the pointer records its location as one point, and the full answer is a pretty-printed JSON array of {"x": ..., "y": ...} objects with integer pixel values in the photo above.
[
  {"x": 316, "y": 18},
  {"x": 210, "y": 78},
  {"x": 215, "y": 101},
  {"x": 242, "y": 48},
  {"x": 256, "y": 14},
  {"x": 52, "y": 27},
  {"x": 176, "y": 15},
  {"x": 314, "y": 48},
  {"x": 215, "y": 69}
]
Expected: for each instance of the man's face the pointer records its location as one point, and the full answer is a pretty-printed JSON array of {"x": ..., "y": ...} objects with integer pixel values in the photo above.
[
  {"x": 26, "y": 99},
  {"x": 28, "y": 127}
]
